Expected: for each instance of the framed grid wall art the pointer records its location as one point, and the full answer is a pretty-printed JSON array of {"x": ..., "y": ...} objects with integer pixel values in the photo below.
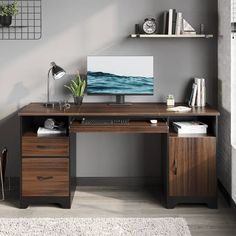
[{"x": 26, "y": 24}]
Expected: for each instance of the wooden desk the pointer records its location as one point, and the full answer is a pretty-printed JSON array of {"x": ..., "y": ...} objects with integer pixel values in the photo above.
[
  {"x": 48, "y": 163},
  {"x": 145, "y": 110}
]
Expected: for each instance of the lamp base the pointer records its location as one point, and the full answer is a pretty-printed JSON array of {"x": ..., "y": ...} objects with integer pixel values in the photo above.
[{"x": 50, "y": 104}]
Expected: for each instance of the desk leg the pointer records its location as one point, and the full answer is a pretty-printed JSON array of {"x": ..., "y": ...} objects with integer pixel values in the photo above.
[
  {"x": 164, "y": 169},
  {"x": 23, "y": 205}
]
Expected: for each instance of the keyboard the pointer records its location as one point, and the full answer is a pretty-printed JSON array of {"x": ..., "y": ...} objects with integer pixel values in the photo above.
[{"x": 105, "y": 122}]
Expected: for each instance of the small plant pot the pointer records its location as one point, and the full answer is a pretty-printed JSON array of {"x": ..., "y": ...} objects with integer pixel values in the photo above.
[
  {"x": 5, "y": 21},
  {"x": 78, "y": 100}
]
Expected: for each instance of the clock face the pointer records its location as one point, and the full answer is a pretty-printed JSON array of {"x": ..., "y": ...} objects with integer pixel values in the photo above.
[{"x": 149, "y": 26}]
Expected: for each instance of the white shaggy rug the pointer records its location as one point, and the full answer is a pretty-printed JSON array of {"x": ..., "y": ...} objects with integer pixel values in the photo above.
[{"x": 94, "y": 227}]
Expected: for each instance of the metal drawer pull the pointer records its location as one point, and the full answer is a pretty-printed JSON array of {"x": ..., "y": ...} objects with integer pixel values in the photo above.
[
  {"x": 46, "y": 147},
  {"x": 175, "y": 167},
  {"x": 42, "y": 178}
]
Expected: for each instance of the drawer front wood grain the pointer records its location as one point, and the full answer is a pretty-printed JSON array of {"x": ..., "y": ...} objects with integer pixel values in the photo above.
[
  {"x": 40, "y": 146},
  {"x": 45, "y": 177},
  {"x": 192, "y": 166}
]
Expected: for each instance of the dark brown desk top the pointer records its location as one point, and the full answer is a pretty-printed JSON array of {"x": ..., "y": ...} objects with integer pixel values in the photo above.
[{"x": 103, "y": 109}]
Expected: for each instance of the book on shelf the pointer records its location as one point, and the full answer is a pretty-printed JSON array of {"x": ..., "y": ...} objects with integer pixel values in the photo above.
[
  {"x": 165, "y": 22},
  {"x": 203, "y": 93},
  {"x": 198, "y": 94},
  {"x": 179, "y": 20},
  {"x": 174, "y": 19},
  {"x": 173, "y": 23},
  {"x": 170, "y": 21},
  {"x": 190, "y": 127},
  {"x": 193, "y": 96},
  {"x": 43, "y": 131},
  {"x": 198, "y": 82}
]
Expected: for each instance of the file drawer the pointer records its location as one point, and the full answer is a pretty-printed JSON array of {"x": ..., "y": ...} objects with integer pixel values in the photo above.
[
  {"x": 45, "y": 177},
  {"x": 40, "y": 146}
]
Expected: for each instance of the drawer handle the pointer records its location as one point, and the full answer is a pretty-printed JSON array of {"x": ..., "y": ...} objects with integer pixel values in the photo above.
[
  {"x": 42, "y": 178},
  {"x": 46, "y": 147},
  {"x": 175, "y": 167}
]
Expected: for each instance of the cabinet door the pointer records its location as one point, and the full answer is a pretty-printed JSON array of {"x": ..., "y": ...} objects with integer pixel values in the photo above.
[{"x": 192, "y": 166}]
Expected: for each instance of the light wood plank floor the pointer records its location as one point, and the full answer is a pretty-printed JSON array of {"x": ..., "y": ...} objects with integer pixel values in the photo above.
[{"x": 117, "y": 202}]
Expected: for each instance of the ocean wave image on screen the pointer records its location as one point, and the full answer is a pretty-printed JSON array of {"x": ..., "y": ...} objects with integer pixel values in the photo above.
[{"x": 106, "y": 83}]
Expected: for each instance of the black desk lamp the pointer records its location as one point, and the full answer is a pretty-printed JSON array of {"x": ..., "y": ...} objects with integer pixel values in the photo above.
[{"x": 57, "y": 73}]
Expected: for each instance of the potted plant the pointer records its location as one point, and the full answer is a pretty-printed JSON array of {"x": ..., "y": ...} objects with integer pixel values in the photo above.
[
  {"x": 6, "y": 13},
  {"x": 77, "y": 88}
]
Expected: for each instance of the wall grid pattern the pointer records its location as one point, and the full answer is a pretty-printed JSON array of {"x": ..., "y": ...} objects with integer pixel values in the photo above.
[{"x": 27, "y": 24}]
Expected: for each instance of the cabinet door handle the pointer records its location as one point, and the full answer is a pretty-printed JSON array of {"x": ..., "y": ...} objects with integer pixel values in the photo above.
[
  {"x": 46, "y": 147},
  {"x": 175, "y": 167},
  {"x": 42, "y": 178}
]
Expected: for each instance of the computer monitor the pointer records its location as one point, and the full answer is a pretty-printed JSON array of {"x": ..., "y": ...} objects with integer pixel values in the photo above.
[{"x": 120, "y": 76}]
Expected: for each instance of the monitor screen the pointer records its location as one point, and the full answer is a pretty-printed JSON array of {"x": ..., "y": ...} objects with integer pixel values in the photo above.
[{"x": 120, "y": 75}]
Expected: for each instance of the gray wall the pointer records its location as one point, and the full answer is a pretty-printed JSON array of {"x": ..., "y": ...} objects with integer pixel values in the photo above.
[{"x": 77, "y": 28}]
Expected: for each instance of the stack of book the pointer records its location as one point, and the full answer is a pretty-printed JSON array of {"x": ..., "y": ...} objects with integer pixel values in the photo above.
[
  {"x": 45, "y": 132},
  {"x": 198, "y": 94},
  {"x": 175, "y": 24},
  {"x": 190, "y": 127}
]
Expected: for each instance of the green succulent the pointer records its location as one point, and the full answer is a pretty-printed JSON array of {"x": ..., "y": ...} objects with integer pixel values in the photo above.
[
  {"x": 77, "y": 86},
  {"x": 9, "y": 9}
]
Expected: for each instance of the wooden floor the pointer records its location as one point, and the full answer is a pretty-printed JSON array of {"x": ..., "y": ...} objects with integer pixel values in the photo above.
[{"x": 116, "y": 202}]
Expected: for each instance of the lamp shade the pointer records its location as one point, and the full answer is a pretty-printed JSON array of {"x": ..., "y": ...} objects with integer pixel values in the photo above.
[{"x": 57, "y": 71}]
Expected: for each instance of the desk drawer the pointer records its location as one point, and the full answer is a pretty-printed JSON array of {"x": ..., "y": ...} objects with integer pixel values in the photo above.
[
  {"x": 40, "y": 146},
  {"x": 45, "y": 177}
]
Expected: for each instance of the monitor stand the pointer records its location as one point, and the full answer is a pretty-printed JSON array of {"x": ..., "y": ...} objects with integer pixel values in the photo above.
[{"x": 120, "y": 101}]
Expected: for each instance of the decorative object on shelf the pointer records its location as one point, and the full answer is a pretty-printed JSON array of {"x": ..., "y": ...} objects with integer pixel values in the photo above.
[
  {"x": 57, "y": 73},
  {"x": 187, "y": 28},
  {"x": 149, "y": 26},
  {"x": 137, "y": 29},
  {"x": 64, "y": 105},
  {"x": 170, "y": 101},
  {"x": 7, "y": 11},
  {"x": 51, "y": 127},
  {"x": 173, "y": 25},
  {"x": 179, "y": 109},
  {"x": 202, "y": 29},
  {"x": 52, "y": 124},
  {"x": 20, "y": 20},
  {"x": 77, "y": 88}
]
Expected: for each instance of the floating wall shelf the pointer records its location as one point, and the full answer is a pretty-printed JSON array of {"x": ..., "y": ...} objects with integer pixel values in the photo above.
[
  {"x": 171, "y": 36},
  {"x": 27, "y": 24}
]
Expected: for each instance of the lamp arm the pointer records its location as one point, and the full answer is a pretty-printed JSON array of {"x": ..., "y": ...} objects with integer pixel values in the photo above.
[{"x": 48, "y": 86}]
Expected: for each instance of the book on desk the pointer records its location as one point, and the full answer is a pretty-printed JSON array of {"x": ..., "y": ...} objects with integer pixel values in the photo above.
[{"x": 190, "y": 127}]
